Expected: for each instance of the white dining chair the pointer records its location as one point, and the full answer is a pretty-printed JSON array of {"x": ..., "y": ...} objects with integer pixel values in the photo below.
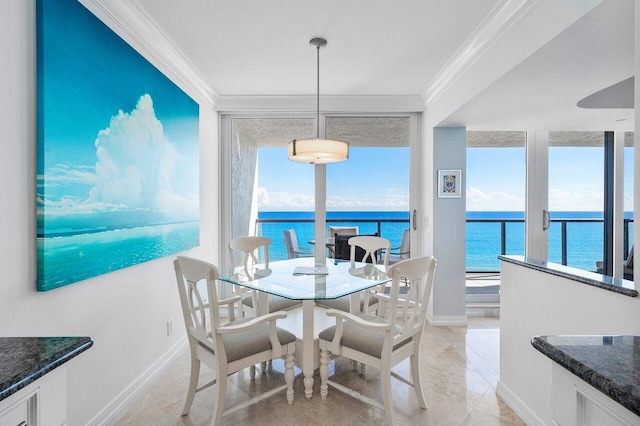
[
  {"x": 385, "y": 339},
  {"x": 363, "y": 248},
  {"x": 231, "y": 347},
  {"x": 250, "y": 249}
]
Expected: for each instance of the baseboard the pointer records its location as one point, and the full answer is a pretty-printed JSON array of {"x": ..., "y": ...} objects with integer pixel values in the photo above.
[
  {"x": 446, "y": 320},
  {"x": 519, "y": 407},
  {"x": 110, "y": 413}
]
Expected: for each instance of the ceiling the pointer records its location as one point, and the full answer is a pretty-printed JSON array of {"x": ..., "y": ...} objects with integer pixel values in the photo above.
[
  {"x": 375, "y": 47},
  {"x": 379, "y": 47}
]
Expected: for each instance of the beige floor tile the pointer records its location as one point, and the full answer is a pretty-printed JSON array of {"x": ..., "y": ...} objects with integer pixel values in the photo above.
[{"x": 459, "y": 368}]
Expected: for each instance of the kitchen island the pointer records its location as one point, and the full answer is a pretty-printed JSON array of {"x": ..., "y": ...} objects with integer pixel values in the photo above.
[
  {"x": 546, "y": 299},
  {"x": 33, "y": 378}
]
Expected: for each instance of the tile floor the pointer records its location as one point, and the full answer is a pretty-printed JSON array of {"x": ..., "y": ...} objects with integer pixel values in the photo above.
[{"x": 460, "y": 369}]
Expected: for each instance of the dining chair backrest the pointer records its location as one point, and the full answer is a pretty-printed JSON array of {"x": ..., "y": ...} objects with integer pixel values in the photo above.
[
  {"x": 199, "y": 305},
  {"x": 412, "y": 307},
  {"x": 342, "y": 249},
  {"x": 249, "y": 249},
  {"x": 370, "y": 246}
]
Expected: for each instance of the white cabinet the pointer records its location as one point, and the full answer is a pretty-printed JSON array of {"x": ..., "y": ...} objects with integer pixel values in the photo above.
[
  {"x": 574, "y": 402},
  {"x": 41, "y": 403}
]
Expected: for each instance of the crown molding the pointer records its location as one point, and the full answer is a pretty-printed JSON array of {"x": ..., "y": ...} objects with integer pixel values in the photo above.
[
  {"x": 499, "y": 22},
  {"x": 131, "y": 22},
  {"x": 328, "y": 103}
]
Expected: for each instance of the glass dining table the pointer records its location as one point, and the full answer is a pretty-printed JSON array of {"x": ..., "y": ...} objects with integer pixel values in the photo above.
[{"x": 286, "y": 279}]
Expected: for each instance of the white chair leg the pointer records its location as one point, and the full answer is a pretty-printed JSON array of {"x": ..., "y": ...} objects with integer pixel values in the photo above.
[
  {"x": 193, "y": 385},
  {"x": 289, "y": 376},
  {"x": 324, "y": 373},
  {"x": 385, "y": 379},
  {"x": 417, "y": 380},
  {"x": 218, "y": 404}
]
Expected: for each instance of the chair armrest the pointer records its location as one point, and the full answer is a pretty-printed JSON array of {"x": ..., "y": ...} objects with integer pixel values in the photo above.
[
  {"x": 227, "y": 329},
  {"x": 230, "y": 300},
  {"x": 376, "y": 326}
]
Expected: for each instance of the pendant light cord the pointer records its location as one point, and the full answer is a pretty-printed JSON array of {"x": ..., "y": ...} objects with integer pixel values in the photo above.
[{"x": 318, "y": 94}]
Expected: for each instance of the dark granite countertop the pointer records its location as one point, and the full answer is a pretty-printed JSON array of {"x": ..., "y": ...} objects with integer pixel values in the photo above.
[
  {"x": 594, "y": 279},
  {"x": 25, "y": 359},
  {"x": 610, "y": 364}
]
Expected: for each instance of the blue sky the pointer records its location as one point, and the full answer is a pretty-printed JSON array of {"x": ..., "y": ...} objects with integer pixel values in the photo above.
[
  {"x": 378, "y": 179},
  {"x": 370, "y": 180},
  {"x": 114, "y": 133}
]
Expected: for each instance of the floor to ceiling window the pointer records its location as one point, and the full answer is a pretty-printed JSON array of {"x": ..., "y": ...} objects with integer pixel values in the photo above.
[
  {"x": 267, "y": 193},
  {"x": 371, "y": 189},
  {"x": 576, "y": 198},
  {"x": 495, "y": 199},
  {"x": 628, "y": 191}
]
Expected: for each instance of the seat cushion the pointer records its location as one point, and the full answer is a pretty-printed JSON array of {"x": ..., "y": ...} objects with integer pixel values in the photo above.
[
  {"x": 256, "y": 340},
  {"x": 343, "y": 303},
  {"x": 276, "y": 303},
  {"x": 360, "y": 339}
]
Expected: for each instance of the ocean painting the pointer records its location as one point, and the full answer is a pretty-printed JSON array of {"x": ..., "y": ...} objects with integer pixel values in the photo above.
[{"x": 117, "y": 152}]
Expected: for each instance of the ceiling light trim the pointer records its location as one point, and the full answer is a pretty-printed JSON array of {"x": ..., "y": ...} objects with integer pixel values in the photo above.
[
  {"x": 499, "y": 22},
  {"x": 131, "y": 22}
]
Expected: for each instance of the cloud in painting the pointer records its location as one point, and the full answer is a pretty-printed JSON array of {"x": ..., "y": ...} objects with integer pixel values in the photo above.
[
  {"x": 136, "y": 171},
  {"x": 137, "y": 165}
]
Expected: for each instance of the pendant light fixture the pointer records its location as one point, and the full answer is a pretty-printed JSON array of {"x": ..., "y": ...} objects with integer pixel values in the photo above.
[{"x": 318, "y": 151}]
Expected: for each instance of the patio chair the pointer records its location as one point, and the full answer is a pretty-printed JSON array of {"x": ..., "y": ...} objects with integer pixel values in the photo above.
[
  {"x": 627, "y": 266},
  {"x": 383, "y": 340},
  {"x": 249, "y": 248},
  {"x": 291, "y": 243},
  {"x": 396, "y": 254},
  {"x": 341, "y": 230},
  {"x": 231, "y": 347}
]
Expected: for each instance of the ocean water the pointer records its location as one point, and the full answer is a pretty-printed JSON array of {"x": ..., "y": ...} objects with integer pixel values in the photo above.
[
  {"x": 483, "y": 240},
  {"x": 69, "y": 258}
]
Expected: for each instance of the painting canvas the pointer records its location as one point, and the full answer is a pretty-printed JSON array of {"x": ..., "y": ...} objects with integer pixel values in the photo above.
[{"x": 117, "y": 152}]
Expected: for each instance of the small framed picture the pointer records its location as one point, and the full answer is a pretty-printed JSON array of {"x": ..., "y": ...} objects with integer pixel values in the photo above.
[{"x": 449, "y": 183}]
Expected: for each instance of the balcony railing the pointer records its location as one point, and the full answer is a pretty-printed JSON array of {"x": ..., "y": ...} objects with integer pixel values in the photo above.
[
  {"x": 565, "y": 236},
  {"x": 394, "y": 233}
]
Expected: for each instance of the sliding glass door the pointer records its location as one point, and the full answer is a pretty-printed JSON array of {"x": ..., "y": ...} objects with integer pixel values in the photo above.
[{"x": 263, "y": 193}]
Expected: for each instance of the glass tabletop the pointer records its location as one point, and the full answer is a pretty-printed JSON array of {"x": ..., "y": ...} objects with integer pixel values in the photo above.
[{"x": 279, "y": 279}]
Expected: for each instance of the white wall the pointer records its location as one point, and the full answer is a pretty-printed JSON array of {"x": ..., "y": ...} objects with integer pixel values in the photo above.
[
  {"x": 449, "y": 230},
  {"x": 125, "y": 312},
  {"x": 535, "y": 303}
]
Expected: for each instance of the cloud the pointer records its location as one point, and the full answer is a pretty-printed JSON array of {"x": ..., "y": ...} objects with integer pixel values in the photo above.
[
  {"x": 65, "y": 174},
  {"x": 136, "y": 170},
  {"x": 561, "y": 200},
  {"x": 296, "y": 202},
  {"x": 284, "y": 201},
  {"x": 493, "y": 201}
]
